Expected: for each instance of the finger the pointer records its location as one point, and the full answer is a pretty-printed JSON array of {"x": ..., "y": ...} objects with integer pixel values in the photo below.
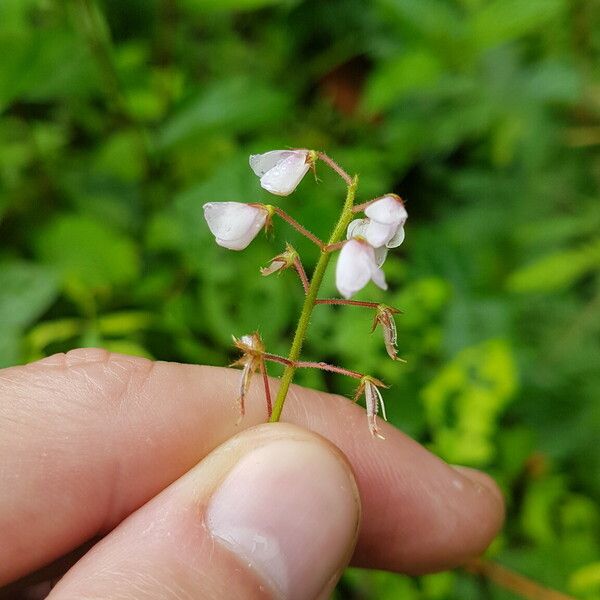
[
  {"x": 88, "y": 437},
  {"x": 273, "y": 512}
]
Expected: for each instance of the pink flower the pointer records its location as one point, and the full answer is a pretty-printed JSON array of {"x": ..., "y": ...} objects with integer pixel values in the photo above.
[
  {"x": 235, "y": 224},
  {"x": 281, "y": 171},
  {"x": 358, "y": 229},
  {"x": 356, "y": 266},
  {"x": 385, "y": 223}
]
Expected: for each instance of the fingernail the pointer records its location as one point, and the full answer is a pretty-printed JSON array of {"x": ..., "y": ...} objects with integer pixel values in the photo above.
[
  {"x": 289, "y": 510},
  {"x": 481, "y": 481}
]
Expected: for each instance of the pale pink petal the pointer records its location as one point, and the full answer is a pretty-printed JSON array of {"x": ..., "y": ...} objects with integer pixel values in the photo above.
[
  {"x": 389, "y": 210},
  {"x": 357, "y": 228},
  {"x": 353, "y": 269},
  {"x": 234, "y": 224},
  {"x": 379, "y": 234},
  {"x": 380, "y": 255},
  {"x": 378, "y": 276},
  {"x": 397, "y": 239},
  {"x": 261, "y": 163},
  {"x": 283, "y": 178}
]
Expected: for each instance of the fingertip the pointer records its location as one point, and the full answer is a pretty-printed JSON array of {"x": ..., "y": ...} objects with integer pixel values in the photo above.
[
  {"x": 489, "y": 515},
  {"x": 485, "y": 484},
  {"x": 272, "y": 512}
]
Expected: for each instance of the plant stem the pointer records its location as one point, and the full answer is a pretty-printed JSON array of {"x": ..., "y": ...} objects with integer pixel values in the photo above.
[
  {"x": 302, "y": 274},
  {"x": 307, "y": 234},
  {"x": 303, "y": 364},
  {"x": 265, "y": 377},
  {"x": 311, "y": 297},
  {"x": 334, "y": 166},
  {"x": 341, "y": 302},
  {"x": 516, "y": 583}
]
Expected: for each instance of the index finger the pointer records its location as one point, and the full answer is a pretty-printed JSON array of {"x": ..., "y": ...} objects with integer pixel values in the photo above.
[{"x": 88, "y": 437}]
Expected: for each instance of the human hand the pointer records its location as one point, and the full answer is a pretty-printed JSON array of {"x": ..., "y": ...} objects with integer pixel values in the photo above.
[{"x": 193, "y": 506}]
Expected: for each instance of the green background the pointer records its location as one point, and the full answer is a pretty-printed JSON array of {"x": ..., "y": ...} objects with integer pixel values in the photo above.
[{"x": 119, "y": 120}]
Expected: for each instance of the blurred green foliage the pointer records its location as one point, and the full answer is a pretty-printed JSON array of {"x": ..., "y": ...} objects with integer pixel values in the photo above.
[{"x": 119, "y": 119}]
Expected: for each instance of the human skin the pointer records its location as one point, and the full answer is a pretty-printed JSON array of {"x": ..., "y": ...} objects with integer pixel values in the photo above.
[{"x": 150, "y": 456}]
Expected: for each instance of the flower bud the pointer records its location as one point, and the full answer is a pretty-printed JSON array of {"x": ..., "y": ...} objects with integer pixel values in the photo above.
[
  {"x": 235, "y": 224},
  {"x": 281, "y": 171},
  {"x": 358, "y": 229},
  {"x": 387, "y": 217},
  {"x": 356, "y": 266}
]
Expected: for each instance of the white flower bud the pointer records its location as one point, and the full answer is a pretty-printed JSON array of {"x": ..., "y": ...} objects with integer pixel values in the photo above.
[
  {"x": 280, "y": 171},
  {"x": 356, "y": 266},
  {"x": 358, "y": 229},
  {"x": 387, "y": 217},
  {"x": 235, "y": 224}
]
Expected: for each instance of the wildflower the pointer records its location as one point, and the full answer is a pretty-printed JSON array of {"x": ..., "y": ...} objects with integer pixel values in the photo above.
[
  {"x": 385, "y": 317},
  {"x": 384, "y": 225},
  {"x": 282, "y": 261},
  {"x": 358, "y": 229},
  {"x": 373, "y": 400},
  {"x": 357, "y": 265},
  {"x": 235, "y": 224},
  {"x": 281, "y": 171},
  {"x": 386, "y": 221},
  {"x": 253, "y": 349}
]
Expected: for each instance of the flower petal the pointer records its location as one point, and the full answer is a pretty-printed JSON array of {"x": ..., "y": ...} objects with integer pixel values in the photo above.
[
  {"x": 397, "y": 239},
  {"x": 284, "y": 177},
  {"x": 380, "y": 255},
  {"x": 261, "y": 163},
  {"x": 379, "y": 234},
  {"x": 234, "y": 224},
  {"x": 354, "y": 267},
  {"x": 389, "y": 210},
  {"x": 378, "y": 277},
  {"x": 357, "y": 228}
]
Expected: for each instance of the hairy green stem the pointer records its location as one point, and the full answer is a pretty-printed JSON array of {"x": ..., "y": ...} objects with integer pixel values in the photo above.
[{"x": 311, "y": 297}]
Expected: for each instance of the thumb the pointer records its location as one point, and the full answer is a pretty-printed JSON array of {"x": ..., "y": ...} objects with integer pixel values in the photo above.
[{"x": 272, "y": 513}]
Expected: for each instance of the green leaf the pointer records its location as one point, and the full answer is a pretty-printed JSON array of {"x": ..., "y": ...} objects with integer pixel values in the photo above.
[
  {"x": 127, "y": 347},
  {"x": 393, "y": 80},
  {"x": 202, "y": 6},
  {"x": 434, "y": 18},
  {"x": 26, "y": 291},
  {"x": 10, "y": 342},
  {"x": 465, "y": 399},
  {"x": 50, "y": 332},
  {"x": 586, "y": 579},
  {"x": 43, "y": 65},
  {"x": 236, "y": 105},
  {"x": 500, "y": 21},
  {"x": 557, "y": 271},
  {"x": 90, "y": 256}
]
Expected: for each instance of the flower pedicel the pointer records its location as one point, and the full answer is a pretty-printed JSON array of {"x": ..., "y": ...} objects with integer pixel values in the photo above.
[{"x": 361, "y": 255}]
